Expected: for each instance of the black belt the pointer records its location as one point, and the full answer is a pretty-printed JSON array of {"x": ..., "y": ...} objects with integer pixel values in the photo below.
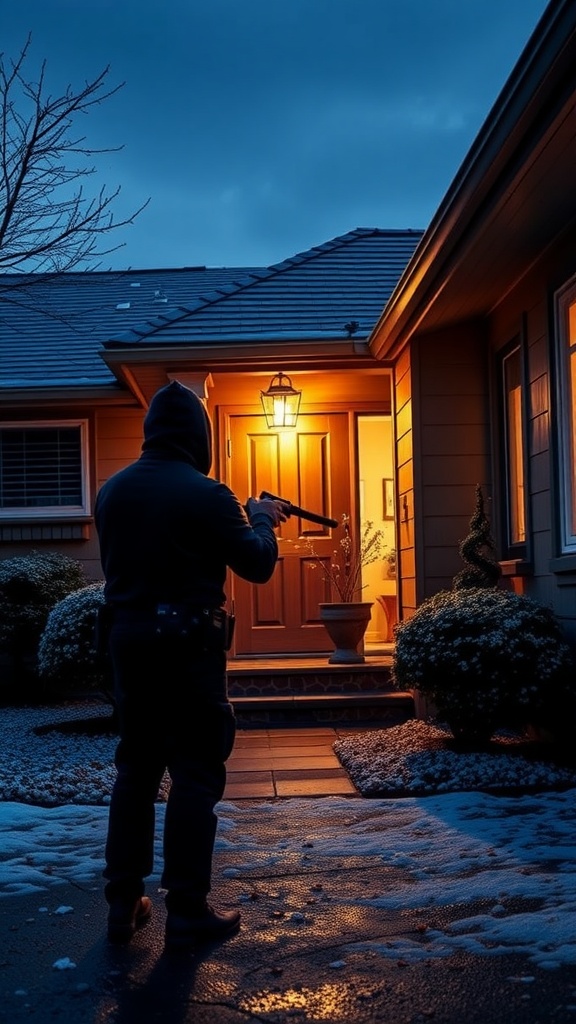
[{"x": 211, "y": 628}]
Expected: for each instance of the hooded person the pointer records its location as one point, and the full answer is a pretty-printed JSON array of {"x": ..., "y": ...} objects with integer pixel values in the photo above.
[{"x": 168, "y": 534}]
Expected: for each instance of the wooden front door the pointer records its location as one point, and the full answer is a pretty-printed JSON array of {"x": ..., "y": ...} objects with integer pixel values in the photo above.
[{"x": 310, "y": 466}]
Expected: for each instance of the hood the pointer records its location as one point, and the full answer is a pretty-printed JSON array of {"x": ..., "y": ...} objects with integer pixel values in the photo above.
[{"x": 177, "y": 423}]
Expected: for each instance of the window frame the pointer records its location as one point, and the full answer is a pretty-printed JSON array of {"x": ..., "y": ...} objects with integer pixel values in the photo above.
[
  {"x": 513, "y": 550},
  {"x": 54, "y": 512},
  {"x": 564, "y": 351}
]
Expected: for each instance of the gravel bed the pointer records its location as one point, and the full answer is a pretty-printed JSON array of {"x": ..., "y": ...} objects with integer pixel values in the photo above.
[
  {"x": 419, "y": 758},
  {"x": 59, "y": 755}
]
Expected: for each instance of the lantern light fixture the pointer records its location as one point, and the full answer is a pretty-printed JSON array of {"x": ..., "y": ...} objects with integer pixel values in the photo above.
[{"x": 281, "y": 402}]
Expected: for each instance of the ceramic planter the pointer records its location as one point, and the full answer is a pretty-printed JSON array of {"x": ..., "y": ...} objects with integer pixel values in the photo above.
[{"x": 346, "y": 623}]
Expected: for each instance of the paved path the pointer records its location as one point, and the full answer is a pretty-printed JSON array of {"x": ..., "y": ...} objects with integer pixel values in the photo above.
[
  {"x": 280, "y": 762},
  {"x": 314, "y": 947}
]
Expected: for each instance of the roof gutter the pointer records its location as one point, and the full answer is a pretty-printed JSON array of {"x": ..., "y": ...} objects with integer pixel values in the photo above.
[
  {"x": 249, "y": 353},
  {"x": 67, "y": 394},
  {"x": 137, "y": 338}
]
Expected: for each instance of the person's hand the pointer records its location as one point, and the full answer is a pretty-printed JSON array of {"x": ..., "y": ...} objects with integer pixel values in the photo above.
[{"x": 275, "y": 509}]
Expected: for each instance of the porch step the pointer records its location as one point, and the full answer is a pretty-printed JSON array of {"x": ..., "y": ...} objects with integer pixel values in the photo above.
[
  {"x": 376, "y": 708},
  {"x": 310, "y": 690},
  {"x": 391, "y": 708},
  {"x": 291, "y": 676}
]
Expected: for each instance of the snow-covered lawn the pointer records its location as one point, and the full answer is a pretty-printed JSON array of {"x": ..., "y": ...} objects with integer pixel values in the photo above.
[{"x": 510, "y": 859}]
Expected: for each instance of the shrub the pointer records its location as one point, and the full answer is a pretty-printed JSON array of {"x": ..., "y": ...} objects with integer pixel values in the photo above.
[
  {"x": 478, "y": 551},
  {"x": 487, "y": 658},
  {"x": 67, "y": 659},
  {"x": 30, "y": 585}
]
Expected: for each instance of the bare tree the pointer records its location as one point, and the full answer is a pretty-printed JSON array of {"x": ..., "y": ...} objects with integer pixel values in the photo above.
[{"x": 47, "y": 222}]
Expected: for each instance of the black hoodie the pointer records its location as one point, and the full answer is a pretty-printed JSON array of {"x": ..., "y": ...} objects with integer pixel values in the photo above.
[{"x": 167, "y": 531}]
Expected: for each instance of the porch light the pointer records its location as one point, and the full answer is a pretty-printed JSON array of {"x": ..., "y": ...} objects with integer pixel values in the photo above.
[{"x": 281, "y": 402}]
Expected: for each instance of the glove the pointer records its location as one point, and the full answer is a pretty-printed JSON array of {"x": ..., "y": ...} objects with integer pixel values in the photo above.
[{"x": 273, "y": 509}]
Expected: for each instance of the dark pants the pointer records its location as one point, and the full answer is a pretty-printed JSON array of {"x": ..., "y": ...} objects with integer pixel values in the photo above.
[{"x": 173, "y": 714}]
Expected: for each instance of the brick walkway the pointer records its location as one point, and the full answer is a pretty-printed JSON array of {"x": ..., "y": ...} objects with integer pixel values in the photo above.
[{"x": 287, "y": 762}]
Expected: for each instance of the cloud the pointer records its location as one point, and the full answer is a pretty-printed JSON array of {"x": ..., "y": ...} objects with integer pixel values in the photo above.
[{"x": 259, "y": 129}]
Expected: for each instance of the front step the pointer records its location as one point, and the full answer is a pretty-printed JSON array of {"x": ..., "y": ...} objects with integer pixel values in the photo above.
[
  {"x": 310, "y": 690},
  {"x": 376, "y": 708}
]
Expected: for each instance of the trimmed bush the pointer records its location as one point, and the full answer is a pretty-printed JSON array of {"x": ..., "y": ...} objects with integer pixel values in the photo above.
[
  {"x": 30, "y": 585},
  {"x": 487, "y": 658},
  {"x": 67, "y": 659}
]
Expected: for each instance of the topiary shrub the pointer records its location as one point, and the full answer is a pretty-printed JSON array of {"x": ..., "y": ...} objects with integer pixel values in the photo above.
[
  {"x": 478, "y": 552},
  {"x": 67, "y": 659},
  {"x": 30, "y": 585},
  {"x": 487, "y": 658}
]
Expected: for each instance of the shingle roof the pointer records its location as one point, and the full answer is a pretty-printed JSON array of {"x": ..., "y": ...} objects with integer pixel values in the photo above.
[
  {"x": 52, "y": 328},
  {"x": 315, "y": 293}
]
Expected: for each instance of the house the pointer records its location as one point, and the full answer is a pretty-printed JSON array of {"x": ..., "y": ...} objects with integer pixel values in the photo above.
[
  {"x": 82, "y": 354},
  {"x": 480, "y": 335},
  {"x": 428, "y": 364}
]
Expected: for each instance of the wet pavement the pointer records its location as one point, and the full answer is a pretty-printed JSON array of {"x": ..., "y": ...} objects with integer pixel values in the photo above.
[{"x": 309, "y": 950}]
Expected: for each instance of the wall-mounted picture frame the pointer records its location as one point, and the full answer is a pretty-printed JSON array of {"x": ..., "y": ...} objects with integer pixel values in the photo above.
[{"x": 387, "y": 498}]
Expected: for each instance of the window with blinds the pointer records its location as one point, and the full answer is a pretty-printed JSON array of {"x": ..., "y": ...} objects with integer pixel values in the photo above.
[{"x": 43, "y": 469}]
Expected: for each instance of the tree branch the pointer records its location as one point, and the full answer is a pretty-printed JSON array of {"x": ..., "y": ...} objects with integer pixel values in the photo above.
[{"x": 46, "y": 224}]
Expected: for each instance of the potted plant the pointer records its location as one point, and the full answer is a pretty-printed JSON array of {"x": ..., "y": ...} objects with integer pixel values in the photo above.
[
  {"x": 390, "y": 562},
  {"x": 347, "y": 616}
]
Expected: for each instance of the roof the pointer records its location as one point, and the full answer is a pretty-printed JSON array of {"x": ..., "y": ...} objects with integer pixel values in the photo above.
[
  {"x": 53, "y": 327},
  {"x": 332, "y": 290}
]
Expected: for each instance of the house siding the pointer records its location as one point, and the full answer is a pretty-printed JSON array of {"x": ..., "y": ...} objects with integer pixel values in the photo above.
[
  {"x": 118, "y": 440},
  {"x": 118, "y": 434},
  {"x": 449, "y": 374}
]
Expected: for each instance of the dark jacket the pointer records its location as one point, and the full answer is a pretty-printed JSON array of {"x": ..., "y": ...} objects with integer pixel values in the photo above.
[{"x": 167, "y": 531}]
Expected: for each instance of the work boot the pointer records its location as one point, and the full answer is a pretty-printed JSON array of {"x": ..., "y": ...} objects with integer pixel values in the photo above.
[
  {"x": 188, "y": 930},
  {"x": 126, "y": 916}
]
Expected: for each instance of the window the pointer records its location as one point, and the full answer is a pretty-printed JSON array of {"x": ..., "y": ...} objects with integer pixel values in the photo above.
[
  {"x": 513, "y": 428},
  {"x": 514, "y": 435},
  {"x": 566, "y": 381},
  {"x": 43, "y": 470}
]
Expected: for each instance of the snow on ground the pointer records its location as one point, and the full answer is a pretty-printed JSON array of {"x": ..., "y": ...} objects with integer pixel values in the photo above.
[{"x": 514, "y": 857}]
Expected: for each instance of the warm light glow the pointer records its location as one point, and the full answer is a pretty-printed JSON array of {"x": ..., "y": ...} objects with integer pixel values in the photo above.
[
  {"x": 515, "y": 447},
  {"x": 327, "y": 1002},
  {"x": 281, "y": 402}
]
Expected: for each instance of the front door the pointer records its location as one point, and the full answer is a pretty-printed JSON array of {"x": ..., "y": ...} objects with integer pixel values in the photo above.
[{"x": 310, "y": 466}]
